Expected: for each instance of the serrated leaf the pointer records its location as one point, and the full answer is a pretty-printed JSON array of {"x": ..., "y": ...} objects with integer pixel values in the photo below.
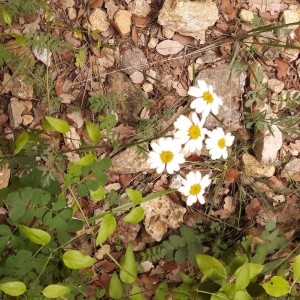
[
  {"x": 86, "y": 160},
  {"x": 134, "y": 195},
  {"x": 210, "y": 267},
  {"x": 58, "y": 125},
  {"x": 13, "y": 288},
  {"x": 35, "y": 235},
  {"x": 21, "y": 141},
  {"x": 242, "y": 275},
  {"x": 128, "y": 272},
  {"x": 107, "y": 227},
  {"x": 55, "y": 290},
  {"x": 180, "y": 255},
  {"x": 115, "y": 287},
  {"x": 188, "y": 234},
  {"x": 176, "y": 241},
  {"x": 136, "y": 293},
  {"x": 93, "y": 131},
  {"x": 135, "y": 216},
  {"x": 98, "y": 194},
  {"x": 296, "y": 269},
  {"x": 74, "y": 259},
  {"x": 277, "y": 286}
]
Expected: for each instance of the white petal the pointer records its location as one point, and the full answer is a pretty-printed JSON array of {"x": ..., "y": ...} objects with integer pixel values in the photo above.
[
  {"x": 201, "y": 199},
  {"x": 202, "y": 85},
  {"x": 191, "y": 200},
  {"x": 160, "y": 169},
  {"x": 195, "y": 91}
]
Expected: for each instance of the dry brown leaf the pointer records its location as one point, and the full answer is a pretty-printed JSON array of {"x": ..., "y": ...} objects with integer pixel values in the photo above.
[
  {"x": 111, "y": 8},
  {"x": 32, "y": 27},
  {"x": 253, "y": 208},
  {"x": 96, "y": 4},
  {"x": 271, "y": 6},
  {"x": 232, "y": 175},
  {"x": 141, "y": 22},
  {"x": 282, "y": 68},
  {"x": 125, "y": 179},
  {"x": 116, "y": 27},
  {"x": 59, "y": 84},
  {"x": 228, "y": 10},
  {"x": 135, "y": 34}
]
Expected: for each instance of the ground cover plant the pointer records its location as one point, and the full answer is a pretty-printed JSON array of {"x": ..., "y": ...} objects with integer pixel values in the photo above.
[{"x": 136, "y": 163}]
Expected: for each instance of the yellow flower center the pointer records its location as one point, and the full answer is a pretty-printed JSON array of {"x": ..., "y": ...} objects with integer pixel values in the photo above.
[
  {"x": 221, "y": 143},
  {"x": 208, "y": 97},
  {"x": 166, "y": 156},
  {"x": 194, "y": 132},
  {"x": 195, "y": 189}
]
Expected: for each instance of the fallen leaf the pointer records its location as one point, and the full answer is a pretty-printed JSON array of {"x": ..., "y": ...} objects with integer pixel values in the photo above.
[
  {"x": 291, "y": 170},
  {"x": 228, "y": 11},
  {"x": 141, "y": 22},
  {"x": 59, "y": 84},
  {"x": 253, "y": 208},
  {"x": 135, "y": 34},
  {"x": 168, "y": 47},
  {"x": 282, "y": 68},
  {"x": 232, "y": 175},
  {"x": 96, "y": 4}
]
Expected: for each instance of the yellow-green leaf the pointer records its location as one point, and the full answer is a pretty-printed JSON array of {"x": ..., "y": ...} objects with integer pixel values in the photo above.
[
  {"x": 6, "y": 17},
  {"x": 35, "y": 235},
  {"x": 86, "y": 160},
  {"x": 115, "y": 287},
  {"x": 55, "y": 290},
  {"x": 107, "y": 227},
  {"x": 277, "y": 286},
  {"x": 99, "y": 194},
  {"x": 93, "y": 131},
  {"x": 59, "y": 125},
  {"x": 134, "y": 195},
  {"x": 13, "y": 288},
  {"x": 296, "y": 269},
  {"x": 135, "y": 216},
  {"x": 74, "y": 259},
  {"x": 21, "y": 141},
  {"x": 128, "y": 272}
]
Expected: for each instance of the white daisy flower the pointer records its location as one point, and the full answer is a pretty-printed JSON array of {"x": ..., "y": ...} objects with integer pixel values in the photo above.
[
  {"x": 194, "y": 187},
  {"x": 217, "y": 143},
  {"x": 165, "y": 154},
  {"x": 190, "y": 132},
  {"x": 206, "y": 100}
]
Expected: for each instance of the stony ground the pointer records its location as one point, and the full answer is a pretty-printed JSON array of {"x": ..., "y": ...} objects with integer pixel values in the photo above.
[{"x": 138, "y": 58}]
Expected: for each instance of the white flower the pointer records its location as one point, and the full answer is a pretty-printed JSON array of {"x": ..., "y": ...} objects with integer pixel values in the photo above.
[
  {"x": 194, "y": 186},
  {"x": 190, "y": 132},
  {"x": 217, "y": 143},
  {"x": 206, "y": 100},
  {"x": 166, "y": 154}
]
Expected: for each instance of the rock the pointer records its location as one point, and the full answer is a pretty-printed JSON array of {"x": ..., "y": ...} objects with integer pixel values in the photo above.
[
  {"x": 72, "y": 13},
  {"x": 133, "y": 60},
  {"x": 4, "y": 174},
  {"x": 123, "y": 21},
  {"x": 27, "y": 119},
  {"x": 15, "y": 110},
  {"x": 72, "y": 139},
  {"x": 291, "y": 170},
  {"x": 160, "y": 215},
  {"x": 43, "y": 55},
  {"x": 246, "y": 16},
  {"x": 254, "y": 168},
  {"x": 147, "y": 87},
  {"x": 137, "y": 77},
  {"x": 67, "y": 3},
  {"x": 77, "y": 118},
  {"x": 140, "y": 8},
  {"x": 291, "y": 16},
  {"x": 127, "y": 96},
  {"x": 267, "y": 143},
  {"x": 229, "y": 90},
  {"x": 168, "y": 47},
  {"x": 21, "y": 89},
  {"x": 107, "y": 58},
  {"x": 152, "y": 42},
  {"x": 186, "y": 17},
  {"x": 98, "y": 20},
  {"x": 129, "y": 161},
  {"x": 6, "y": 84},
  {"x": 275, "y": 85}
]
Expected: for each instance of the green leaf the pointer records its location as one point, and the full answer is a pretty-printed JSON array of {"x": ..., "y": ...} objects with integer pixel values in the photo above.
[
  {"x": 296, "y": 269},
  {"x": 162, "y": 291},
  {"x": 58, "y": 125},
  {"x": 135, "y": 216},
  {"x": 74, "y": 259},
  {"x": 104, "y": 164},
  {"x": 255, "y": 269},
  {"x": 277, "y": 286},
  {"x": 107, "y": 227},
  {"x": 180, "y": 255},
  {"x": 128, "y": 272},
  {"x": 13, "y": 288},
  {"x": 210, "y": 267},
  {"x": 6, "y": 17},
  {"x": 135, "y": 196},
  {"x": 242, "y": 275},
  {"x": 242, "y": 295},
  {"x": 93, "y": 131},
  {"x": 86, "y": 160},
  {"x": 21, "y": 141},
  {"x": 99, "y": 194},
  {"x": 4, "y": 54},
  {"x": 188, "y": 234},
  {"x": 115, "y": 287},
  {"x": 136, "y": 293},
  {"x": 55, "y": 290},
  {"x": 35, "y": 235}
]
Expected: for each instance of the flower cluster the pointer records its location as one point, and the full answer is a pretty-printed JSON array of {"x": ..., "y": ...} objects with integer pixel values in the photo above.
[{"x": 188, "y": 137}]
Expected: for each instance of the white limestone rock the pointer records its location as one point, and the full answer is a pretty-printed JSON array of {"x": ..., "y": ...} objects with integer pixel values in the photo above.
[
  {"x": 252, "y": 167},
  {"x": 15, "y": 110},
  {"x": 98, "y": 20},
  {"x": 186, "y": 17},
  {"x": 123, "y": 20}
]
